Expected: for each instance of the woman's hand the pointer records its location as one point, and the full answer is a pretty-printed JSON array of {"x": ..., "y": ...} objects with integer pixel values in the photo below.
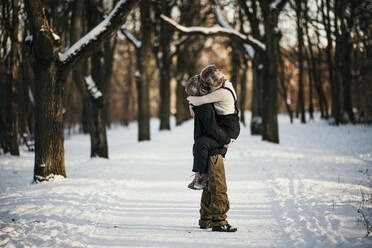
[
  {"x": 228, "y": 145},
  {"x": 191, "y": 111}
]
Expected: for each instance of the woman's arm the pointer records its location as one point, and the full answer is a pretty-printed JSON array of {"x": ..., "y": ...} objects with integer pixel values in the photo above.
[{"x": 215, "y": 96}]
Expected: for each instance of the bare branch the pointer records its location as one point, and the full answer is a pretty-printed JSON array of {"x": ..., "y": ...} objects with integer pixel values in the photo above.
[
  {"x": 99, "y": 34},
  {"x": 92, "y": 88},
  {"x": 136, "y": 43},
  {"x": 221, "y": 20},
  {"x": 215, "y": 31}
]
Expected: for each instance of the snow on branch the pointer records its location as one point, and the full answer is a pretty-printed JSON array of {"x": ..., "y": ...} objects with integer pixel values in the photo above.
[
  {"x": 278, "y": 5},
  {"x": 221, "y": 20},
  {"x": 92, "y": 88},
  {"x": 97, "y": 35},
  {"x": 274, "y": 4},
  {"x": 131, "y": 38},
  {"x": 214, "y": 31},
  {"x": 185, "y": 38}
]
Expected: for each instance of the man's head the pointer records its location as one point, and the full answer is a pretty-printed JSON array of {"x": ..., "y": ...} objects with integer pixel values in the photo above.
[
  {"x": 193, "y": 87},
  {"x": 212, "y": 78}
]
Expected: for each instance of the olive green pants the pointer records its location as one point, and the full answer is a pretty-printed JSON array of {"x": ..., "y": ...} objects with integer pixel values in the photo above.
[{"x": 214, "y": 202}]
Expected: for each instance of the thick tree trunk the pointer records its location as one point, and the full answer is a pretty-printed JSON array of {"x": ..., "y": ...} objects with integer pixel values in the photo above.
[
  {"x": 49, "y": 151},
  {"x": 144, "y": 66},
  {"x": 270, "y": 119}
]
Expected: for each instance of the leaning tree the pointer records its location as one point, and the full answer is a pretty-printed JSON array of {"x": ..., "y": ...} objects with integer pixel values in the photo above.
[{"x": 51, "y": 65}]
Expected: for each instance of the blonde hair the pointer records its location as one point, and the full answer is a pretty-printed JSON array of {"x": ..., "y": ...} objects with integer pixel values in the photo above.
[
  {"x": 193, "y": 86},
  {"x": 211, "y": 77}
]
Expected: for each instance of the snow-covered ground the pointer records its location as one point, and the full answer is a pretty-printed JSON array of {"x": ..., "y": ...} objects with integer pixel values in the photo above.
[{"x": 302, "y": 193}]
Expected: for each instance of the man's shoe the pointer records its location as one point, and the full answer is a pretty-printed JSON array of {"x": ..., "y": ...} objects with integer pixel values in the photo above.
[
  {"x": 224, "y": 228},
  {"x": 205, "y": 226}
]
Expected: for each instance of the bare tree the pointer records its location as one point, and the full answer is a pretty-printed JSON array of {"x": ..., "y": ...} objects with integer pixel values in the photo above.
[
  {"x": 163, "y": 37},
  {"x": 300, "y": 50},
  {"x": 51, "y": 67},
  {"x": 11, "y": 77}
]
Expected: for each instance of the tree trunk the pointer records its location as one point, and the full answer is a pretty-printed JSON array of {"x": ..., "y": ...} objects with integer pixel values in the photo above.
[
  {"x": 235, "y": 65},
  {"x": 300, "y": 40},
  {"x": 98, "y": 137},
  {"x": 270, "y": 119},
  {"x": 165, "y": 67},
  {"x": 145, "y": 71},
  {"x": 345, "y": 57},
  {"x": 335, "y": 91},
  {"x": 127, "y": 89},
  {"x": 182, "y": 111},
  {"x": 313, "y": 72},
  {"x": 79, "y": 70},
  {"x": 318, "y": 80},
  {"x": 243, "y": 90},
  {"x": 49, "y": 151},
  {"x": 257, "y": 94},
  {"x": 14, "y": 82},
  {"x": 282, "y": 80},
  {"x": 108, "y": 53}
]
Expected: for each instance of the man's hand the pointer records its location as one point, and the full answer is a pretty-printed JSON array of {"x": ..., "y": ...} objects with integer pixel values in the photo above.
[
  {"x": 191, "y": 111},
  {"x": 228, "y": 145}
]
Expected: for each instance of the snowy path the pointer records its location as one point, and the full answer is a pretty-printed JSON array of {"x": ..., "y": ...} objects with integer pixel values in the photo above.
[{"x": 301, "y": 193}]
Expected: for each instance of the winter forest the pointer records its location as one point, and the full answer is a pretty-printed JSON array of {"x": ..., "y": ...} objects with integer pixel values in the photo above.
[{"x": 96, "y": 135}]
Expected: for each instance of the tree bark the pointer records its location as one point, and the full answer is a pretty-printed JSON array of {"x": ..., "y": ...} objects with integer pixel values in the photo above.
[
  {"x": 182, "y": 112},
  {"x": 235, "y": 65},
  {"x": 335, "y": 90},
  {"x": 313, "y": 71},
  {"x": 272, "y": 38},
  {"x": 165, "y": 68},
  {"x": 243, "y": 90},
  {"x": 345, "y": 56},
  {"x": 300, "y": 40},
  {"x": 257, "y": 67},
  {"x": 257, "y": 94},
  {"x": 98, "y": 136},
  {"x": 12, "y": 111},
  {"x": 144, "y": 66}
]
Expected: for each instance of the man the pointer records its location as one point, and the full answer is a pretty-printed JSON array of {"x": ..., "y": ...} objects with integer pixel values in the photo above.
[{"x": 214, "y": 201}]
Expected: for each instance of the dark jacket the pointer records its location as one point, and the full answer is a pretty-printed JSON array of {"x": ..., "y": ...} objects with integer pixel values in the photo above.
[
  {"x": 205, "y": 123},
  {"x": 230, "y": 124}
]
